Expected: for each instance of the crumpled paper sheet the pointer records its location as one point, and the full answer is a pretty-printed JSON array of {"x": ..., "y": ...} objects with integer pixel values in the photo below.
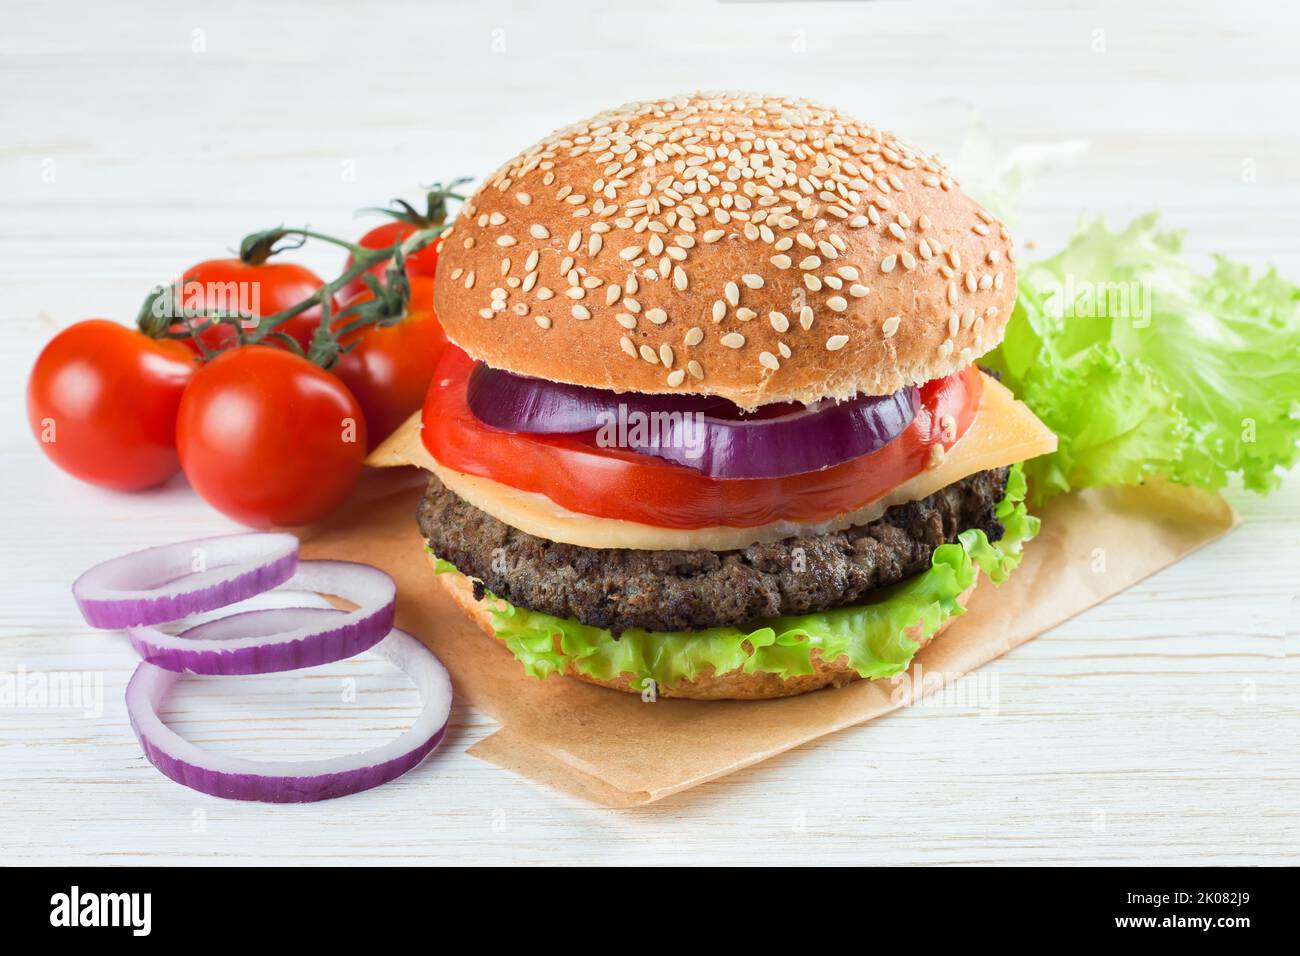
[{"x": 614, "y": 749}]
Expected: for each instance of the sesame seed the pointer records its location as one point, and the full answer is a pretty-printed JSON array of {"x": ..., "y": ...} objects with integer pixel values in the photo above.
[
  {"x": 783, "y": 349},
  {"x": 543, "y": 321},
  {"x": 544, "y": 293},
  {"x": 485, "y": 313},
  {"x": 626, "y": 345},
  {"x": 732, "y": 292},
  {"x": 848, "y": 272},
  {"x": 695, "y": 368},
  {"x": 733, "y": 340},
  {"x": 666, "y": 355},
  {"x": 752, "y": 281},
  {"x": 887, "y": 263},
  {"x": 538, "y": 231},
  {"x": 649, "y": 355},
  {"x": 675, "y": 377},
  {"x": 810, "y": 262},
  {"x": 657, "y": 316},
  {"x": 768, "y": 360},
  {"x": 580, "y": 312},
  {"x": 594, "y": 244},
  {"x": 612, "y": 293},
  {"x": 719, "y": 310},
  {"x": 496, "y": 219},
  {"x": 744, "y": 314},
  {"x": 779, "y": 321},
  {"x": 679, "y": 279},
  {"x": 694, "y": 336},
  {"x": 952, "y": 294},
  {"x": 506, "y": 240},
  {"x": 890, "y": 326},
  {"x": 857, "y": 290},
  {"x": 907, "y": 259},
  {"x": 806, "y": 317},
  {"x": 780, "y": 261},
  {"x": 836, "y": 342},
  {"x": 837, "y": 303},
  {"x": 980, "y": 229},
  {"x": 948, "y": 425},
  {"x": 713, "y": 235}
]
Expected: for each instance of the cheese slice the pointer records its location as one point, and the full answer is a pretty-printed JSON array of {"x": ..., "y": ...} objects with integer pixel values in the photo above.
[{"x": 1004, "y": 432}]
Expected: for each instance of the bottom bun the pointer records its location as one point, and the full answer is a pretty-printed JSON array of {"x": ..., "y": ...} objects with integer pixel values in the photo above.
[{"x": 731, "y": 685}]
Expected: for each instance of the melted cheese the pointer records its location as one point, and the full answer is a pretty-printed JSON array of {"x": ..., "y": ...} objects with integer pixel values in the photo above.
[{"x": 1004, "y": 432}]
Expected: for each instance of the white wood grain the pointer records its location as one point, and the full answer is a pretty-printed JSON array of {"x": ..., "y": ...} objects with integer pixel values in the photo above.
[{"x": 1157, "y": 728}]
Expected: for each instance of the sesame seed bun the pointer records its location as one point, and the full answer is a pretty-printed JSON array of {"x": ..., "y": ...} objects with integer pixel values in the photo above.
[
  {"x": 759, "y": 248},
  {"x": 732, "y": 685}
]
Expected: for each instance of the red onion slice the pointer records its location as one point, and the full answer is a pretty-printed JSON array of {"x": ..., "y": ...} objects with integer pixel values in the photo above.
[
  {"x": 795, "y": 441},
  {"x": 260, "y": 641},
  {"x": 706, "y": 433},
  {"x": 173, "y": 581},
  {"x": 518, "y": 403},
  {"x": 237, "y": 778}
]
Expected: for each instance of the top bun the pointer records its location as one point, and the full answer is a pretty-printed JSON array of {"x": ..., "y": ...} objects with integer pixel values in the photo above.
[{"x": 760, "y": 248}]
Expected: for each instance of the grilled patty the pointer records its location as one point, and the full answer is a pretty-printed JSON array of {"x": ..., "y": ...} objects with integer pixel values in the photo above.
[{"x": 690, "y": 590}]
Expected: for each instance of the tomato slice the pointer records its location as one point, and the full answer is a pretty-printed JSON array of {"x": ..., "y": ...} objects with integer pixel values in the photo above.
[{"x": 577, "y": 474}]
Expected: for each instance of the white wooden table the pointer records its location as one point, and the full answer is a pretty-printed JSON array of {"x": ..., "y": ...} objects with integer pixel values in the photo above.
[{"x": 1160, "y": 727}]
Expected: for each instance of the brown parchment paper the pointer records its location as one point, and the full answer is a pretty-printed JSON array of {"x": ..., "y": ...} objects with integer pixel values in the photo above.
[{"x": 611, "y": 748}]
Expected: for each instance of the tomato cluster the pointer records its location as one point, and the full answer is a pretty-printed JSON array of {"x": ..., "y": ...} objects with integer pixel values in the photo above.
[{"x": 264, "y": 434}]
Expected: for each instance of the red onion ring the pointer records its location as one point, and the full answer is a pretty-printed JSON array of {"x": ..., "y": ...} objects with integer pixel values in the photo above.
[
  {"x": 162, "y": 584},
  {"x": 263, "y": 641},
  {"x": 794, "y": 442},
  {"x": 299, "y": 781},
  {"x": 517, "y": 403},
  {"x": 708, "y": 434}
]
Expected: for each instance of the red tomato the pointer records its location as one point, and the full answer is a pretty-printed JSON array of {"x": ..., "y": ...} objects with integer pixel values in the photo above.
[
  {"x": 577, "y": 474},
  {"x": 232, "y": 286},
  {"x": 389, "y": 368},
  {"x": 422, "y": 263},
  {"x": 268, "y": 438},
  {"x": 102, "y": 402}
]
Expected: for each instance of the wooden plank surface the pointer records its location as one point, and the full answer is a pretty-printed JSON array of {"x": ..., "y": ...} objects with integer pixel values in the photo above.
[{"x": 1159, "y": 727}]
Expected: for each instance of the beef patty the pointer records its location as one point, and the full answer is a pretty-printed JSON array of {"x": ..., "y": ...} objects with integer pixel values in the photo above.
[{"x": 690, "y": 590}]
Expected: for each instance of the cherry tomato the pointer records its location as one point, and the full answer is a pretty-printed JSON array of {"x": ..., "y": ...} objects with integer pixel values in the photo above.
[
  {"x": 232, "y": 286},
  {"x": 574, "y": 472},
  {"x": 389, "y": 367},
  {"x": 102, "y": 402},
  {"x": 422, "y": 263},
  {"x": 268, "y": 438}
]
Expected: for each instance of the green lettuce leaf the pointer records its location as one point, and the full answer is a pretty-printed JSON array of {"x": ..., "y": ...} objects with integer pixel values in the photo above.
[
  {"x": 872, "y": 637},
  {"x": 1144, "y": 366}
]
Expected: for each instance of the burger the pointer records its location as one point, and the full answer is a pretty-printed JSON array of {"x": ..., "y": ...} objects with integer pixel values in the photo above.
[{"x": 712, "y": 422}]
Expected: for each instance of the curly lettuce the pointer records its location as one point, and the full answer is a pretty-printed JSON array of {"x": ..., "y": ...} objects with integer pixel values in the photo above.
[
  {"x": 1144, "y": 366},
  {"x": 871, "y": 637}
]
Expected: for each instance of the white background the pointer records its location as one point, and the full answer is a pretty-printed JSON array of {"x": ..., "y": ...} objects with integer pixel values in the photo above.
[{"x": 1160, "y": 727}]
